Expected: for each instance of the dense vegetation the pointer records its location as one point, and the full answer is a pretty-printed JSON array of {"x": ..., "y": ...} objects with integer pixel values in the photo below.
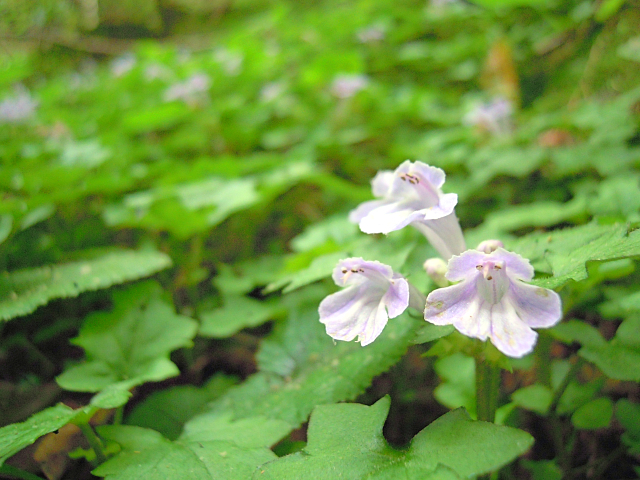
[{"x": 176, "y": 178}]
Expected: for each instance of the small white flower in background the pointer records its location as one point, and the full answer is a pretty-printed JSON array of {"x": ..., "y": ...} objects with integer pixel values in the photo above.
[
  {"x": 19, "y": 107},
  {"x": 371, "y": 34},
  {"x": 346, "y": 86},
  {"x": 190, "y": 90},
  {"x": 122, "y": 64},
  {"x": 411, "y": 195},
  {"x": 436, "y": 268},
  {"x": 231, "y": 62},
  {"x": 156, "y": 71},
  {"x": 373, "y": 294},
  {"x": 494, "y": 117},
  {"x": 271, "y": 91},
  {"x": 491, "y": 301}
]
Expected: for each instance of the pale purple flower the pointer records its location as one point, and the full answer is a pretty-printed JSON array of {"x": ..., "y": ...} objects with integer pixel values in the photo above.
[
  {"x": 411, "y": 195},
  {"x": 373, "y": 294},
  {"x": 123, "y": 64},
  {"x": 19, "y": 107},
  {"x": 491, "y": 301},
  {"x": 346, "y": 86},
  {"x": 494, "y": 117},
  {"x": 190, "y": 90},
  {"x": 374, "y": 33},
  {"x": 230, "y": 61}
]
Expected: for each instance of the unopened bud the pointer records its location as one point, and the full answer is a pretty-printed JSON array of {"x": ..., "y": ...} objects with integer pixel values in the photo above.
[
  {"x": 489, "y": 246},
  {"x": 436, "y": 268}
]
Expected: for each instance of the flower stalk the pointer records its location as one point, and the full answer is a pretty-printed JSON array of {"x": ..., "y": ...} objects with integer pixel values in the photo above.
[{"x": 487, "y": 389}]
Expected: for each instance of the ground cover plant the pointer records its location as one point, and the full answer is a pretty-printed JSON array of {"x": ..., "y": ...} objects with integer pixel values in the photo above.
[{"x": 291, "y": 240}]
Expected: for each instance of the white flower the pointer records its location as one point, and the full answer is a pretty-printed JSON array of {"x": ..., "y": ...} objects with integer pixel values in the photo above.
[
  {"x": 373, "y": 294},
  {"x": 19, "y": 107},
  {"x": 411, "y": 195},
  {"x": 494, "y": 117},
  {"x": 491, "y": 301},
  {"x": 346, "y": 86}
]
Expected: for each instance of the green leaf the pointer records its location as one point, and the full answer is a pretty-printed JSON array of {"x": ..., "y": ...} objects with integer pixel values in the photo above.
[
  {"x": 564, "y": 253},
  {"x": 536, "y": 398},
  {"x": 595, "y": 414},
  {"x": 15, "y": 437},
  {"x": 543, "y": 469},
  {"x": 628, "y": 414},
  {"x": 321, "y": 267},
  {"x": 22, "y": 291},
  {"x": 184, "y": 209},
  {"x": 130, "y": 344},
  {"x": 168, "y": 410},
  {"x": 458, "y": 384},
  {"x": 431, "y": 332},
  {"x": 147, "y": 454},
  {"x": 349, "y": 437},
  {"x": 237, "y": 313},
  {"x": 251, "y": 432},
  {"x": 301, "y": 366},
  {"x": 392, "y": 251}
]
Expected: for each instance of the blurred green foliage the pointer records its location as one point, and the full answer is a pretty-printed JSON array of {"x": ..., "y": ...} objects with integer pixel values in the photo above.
[{"x": 227, "y": 156}]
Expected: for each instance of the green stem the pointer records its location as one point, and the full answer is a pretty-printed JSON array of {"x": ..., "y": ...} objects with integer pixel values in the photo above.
[
  {"x": 487, "y": 389},
  {"x": 17, "y": 473},
  {"x": 94, "y": 442},
  {"x": 542, "y": 355},
  {"x": 119, "y": 414},
  {"x": 557, "y": 395}
]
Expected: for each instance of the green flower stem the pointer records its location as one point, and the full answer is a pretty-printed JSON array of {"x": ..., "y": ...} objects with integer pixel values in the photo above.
[
  {"x": 487, "y": 389},
  {"x": 94, "y": 442},
  {"x": 17, "y": 473}
]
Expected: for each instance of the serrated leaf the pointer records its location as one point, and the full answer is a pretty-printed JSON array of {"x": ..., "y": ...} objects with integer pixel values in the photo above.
[
  {"x": 147, "y": 454},
  {"x": 564, "y": 253},
  {"x": 251, "y": 432},
  {"x": 349, "y": 437},
  {"x": 15, "y": 437},
  {"x": 302, "y": 366},
  {"x": 21, "y": 292},
  {"x": 187, "y": 208},
  {"x": 130, "y": 344},
  {"x": 393, "y": 252},
  {"x": 321, "y": 267},
  {"x": 237, "y": 313},
  {"x": 167, "y": 411}
]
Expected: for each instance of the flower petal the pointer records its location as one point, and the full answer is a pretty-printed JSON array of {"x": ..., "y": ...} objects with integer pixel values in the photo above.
[
  {"x": 445, "y": 207},
  {"x": 447, "y": 305},
  {"x": 463, "y": 266},
  {"x": 509, "y": 334},
  {"x": 536, "y": 306},
  {"x": 444, "y": 234},
  {"x": 388, "y": 216},
  {"x": 381, "y": 183},
  {"x": 517, "y": 267},
  {"x": 434, "y": 175},
  {"x": 353, "y": 312},
  {"x": 397, "y": 297},
  {"x": 356, "y": 270}
]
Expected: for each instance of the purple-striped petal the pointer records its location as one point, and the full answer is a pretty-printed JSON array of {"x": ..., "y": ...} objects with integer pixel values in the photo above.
[{"x": 373, "y": 294}]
